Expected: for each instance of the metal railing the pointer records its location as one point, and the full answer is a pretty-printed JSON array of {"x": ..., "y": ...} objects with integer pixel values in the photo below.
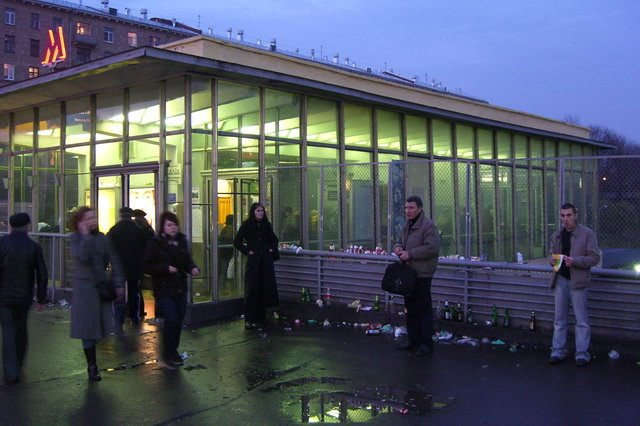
[{"x": 614, "y": 295}]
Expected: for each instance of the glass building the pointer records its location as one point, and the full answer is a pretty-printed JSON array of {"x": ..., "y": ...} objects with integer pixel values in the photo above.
[{"x": 204, "y": 127}]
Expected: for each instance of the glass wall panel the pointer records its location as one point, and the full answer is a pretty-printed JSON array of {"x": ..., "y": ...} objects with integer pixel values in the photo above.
[
  {"x": 250, "y": 152},
  {"x": 109, "y": 154},
  {"x": 144, "y": 150},
  {"x": 109, "y": 116},
  {"x": 175, "y": 105},
  {"x": 201, "y": 117},
  {"x": 49, "y": 126},
  {"x": 144, "y": 110},
  {"x": 175, "y": 157},
  {"x": 286, "y": 189},
  {"x": 551, "y": 189},
  {"x": 522, "y": 210},
  {"x": 48, "y": 186},
  {"x": 77, "y": 193},
  {"x": 359, "y": 192},
  {"x": 77, "y": 160},
  {"x": 464, "y": 142},
  {"x": 390, "y": 171},
  {"x": 23, "y": 138},
  {"x": 536, "y": 151},
  {"x": 228, "y": 152},
  {"x": 441, "y": 138},
  {"x": 78, "y": 125},
  {"x": 485, "y": 144},
  {"x": 505, "y": 214},
  {"x": 4, "y": 134},
  {"x": 520, "y": 145},
  {"x": 487, "y": 211},
  {"x": 4, "y": 193},
  {"x": 203, "y": 224},
  {"x": 201, "y": 141},
  {"x": 444, "y": 213},
  {"x": 538, "y": 238},
  {"x": 357, "y": 125},
  {"x": 416, "y": 134},
  {"x": 466, "y": 203},
  {"x": 503, "y": 142},
  {"x": 322, "y": 156},
  {"x": 23, "y": 183},
  {"x": 322, "y": 120},
  {"x": 389, "y": 130},
  {"x": 281, "y": 153},
  {"x": 282, "y": 114},
  {"x": 387, "y": 158},
  {"x": 238, "y": 108},
  {"x": 323, "y": 198}
]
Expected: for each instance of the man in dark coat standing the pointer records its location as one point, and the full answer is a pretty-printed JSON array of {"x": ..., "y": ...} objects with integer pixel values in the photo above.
[
  {"x": 419, "y": 246},
  {"x": 129, "y": 241},
  {"x": 21, "y": 265}
]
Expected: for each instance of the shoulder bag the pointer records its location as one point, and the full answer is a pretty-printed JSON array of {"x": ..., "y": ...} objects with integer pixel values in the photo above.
[{"x": 399, "y": 278}]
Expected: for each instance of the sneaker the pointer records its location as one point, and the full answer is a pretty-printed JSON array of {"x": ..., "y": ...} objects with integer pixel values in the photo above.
[
  {"x": 250, "y": 325},
  {"x": 166, "y": 364},
  {"x": 581, "y": 362},
  {"x": 554, "y": 360}
]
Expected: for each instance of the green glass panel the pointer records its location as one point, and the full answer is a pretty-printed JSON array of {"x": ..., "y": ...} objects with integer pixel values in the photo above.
[
  {"x": 175, "y": 172},
  {"x": 109, "y": 116},
  {"x": 238, "y": 108},
  {"x": 503, "y": 141},
  {"x": 485, "y": 144},
  {"x": 23, "y": 183},
  {"x": 144, "y": 110},
  {"x": 175, "y": 105},
  {"x": 282, "y": 154},
  {"x": 4, "y": 133},
  {"x": 108, "y": 154},
  {"x": 387, "y": 158},
  {"x": 4, "y": 191},
  {"x": 47, "y": 191},
  {"x": 389, "y": 130},
  {"x": 322, "y": 156},
  {"x": 144, "y": 150},
  {"x": 416, "y": 134},
  {"x": 78, "y": 123},
  {"x": 444, "y": 209},
  {"x": 282, "y": 115},
  {"x": 77, "y": 159},
  {"x": 357, "y": 125},
  {"x": 201, "y": 117},
  {"x": 49, "y": 126},
  {"x": 23, "y": 138},
  {"x": 520, "y": 144},
  {"x": 464, "y": 141},
  {"x": 228, "y": 152},
  {"x": 441, "y": 138},
  {"x": 322, "y": 121}
]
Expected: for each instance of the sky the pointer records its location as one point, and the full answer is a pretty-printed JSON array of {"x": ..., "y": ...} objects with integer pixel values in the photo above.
[{"x": 570, "y": 60}]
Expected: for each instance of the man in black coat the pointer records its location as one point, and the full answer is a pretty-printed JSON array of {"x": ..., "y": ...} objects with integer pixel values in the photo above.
[
  {"x": 129, "y": 240},
  {"x": 21, "y": 265}
]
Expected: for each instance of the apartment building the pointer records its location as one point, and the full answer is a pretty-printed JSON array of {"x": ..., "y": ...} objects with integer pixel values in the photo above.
[{"x": 44, "y": 36}]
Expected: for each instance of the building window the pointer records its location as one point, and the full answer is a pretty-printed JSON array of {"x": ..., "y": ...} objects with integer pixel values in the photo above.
[
  {"x": 10, "y": 16},
  {"x": 9, "y": 72},
  {"x": 83, "y": 28},
  {"x": 34, "y": 48},
  {"x": 34, "y": 72},
  {"x": 35, "y": 21},
  {"x": 9, "y": 44},
  {"x": 83, "y": 54},
  {"x": 132, "y": 39},
  {"x": 57, "y": 22},
  {"x": 108, "y": 35},
  {"x": 154, "y": 41}
]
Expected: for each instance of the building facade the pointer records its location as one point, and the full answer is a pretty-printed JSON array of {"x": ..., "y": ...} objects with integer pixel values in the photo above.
[
  {"x": 41, "y": 36},
  {"x": 204, "y": 127}
]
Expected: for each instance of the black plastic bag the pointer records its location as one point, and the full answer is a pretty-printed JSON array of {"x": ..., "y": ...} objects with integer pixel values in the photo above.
[{"x": 399, "y": 278}]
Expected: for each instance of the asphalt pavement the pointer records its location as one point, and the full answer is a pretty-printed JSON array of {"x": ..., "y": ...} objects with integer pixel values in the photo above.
[{"x": 291, "y": 374}]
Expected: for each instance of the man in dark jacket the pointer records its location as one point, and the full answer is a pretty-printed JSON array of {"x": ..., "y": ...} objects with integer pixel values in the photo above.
[
  {"x": 129, "y": 240},
  {"x": 419, "y": 246},
  {"x": 21, "y": 265}
]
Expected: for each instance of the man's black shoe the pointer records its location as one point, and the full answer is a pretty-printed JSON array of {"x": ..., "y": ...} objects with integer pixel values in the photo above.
[
  {"x": 424, "y": 350},
  {"x": 555, "y": 360},
  {"x": 406, "y": 347},
  {"x": 581, "y": 362}
]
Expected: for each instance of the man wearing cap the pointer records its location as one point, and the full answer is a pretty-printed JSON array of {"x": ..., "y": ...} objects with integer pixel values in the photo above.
[
  {"x": 129, "y": 241},
  {"x": 140, "y": 220},
  {"x": 21, "y": 265}
]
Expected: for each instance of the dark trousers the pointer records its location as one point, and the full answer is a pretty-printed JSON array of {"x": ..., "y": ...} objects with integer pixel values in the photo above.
[
  {"x": 254, "y": 308},
  {"x": 14, "y": 339},
  {"x": 172, "y": 310},
  {"x": 420, "y": 314},
  {"x": 134, "y": 296}
]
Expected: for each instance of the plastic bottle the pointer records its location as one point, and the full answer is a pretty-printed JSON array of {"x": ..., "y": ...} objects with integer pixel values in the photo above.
[
  {"x": 327, "y": 297},
  {"x": 376, "y": 304},
  {"x": 506, "y": 320},
  {"x": 447, "y": 311},
  {"x": 469, "y": 315},
  {"x": 532, "y": 321},
  {"x": 519, "y": 258},
  {"x": 494, "y": 316}
]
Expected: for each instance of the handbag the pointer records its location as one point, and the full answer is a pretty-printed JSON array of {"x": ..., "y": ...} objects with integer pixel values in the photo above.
[
  {"x": 399, "y": 278},
  {"x": 107, "y": 291},
  {"x": 231, "y": 269}
]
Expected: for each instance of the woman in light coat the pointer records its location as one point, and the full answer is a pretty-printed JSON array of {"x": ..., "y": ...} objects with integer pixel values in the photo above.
[{"x": 92, "y": 254}]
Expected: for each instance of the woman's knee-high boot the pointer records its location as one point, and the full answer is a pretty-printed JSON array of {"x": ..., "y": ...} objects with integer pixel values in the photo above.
[{"x": 92, "y": 366}]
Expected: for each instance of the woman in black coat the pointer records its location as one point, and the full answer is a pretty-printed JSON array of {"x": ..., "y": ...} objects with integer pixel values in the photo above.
[
  {"x": 256, "y": 240},
  {"x": 168, "y": 260}
]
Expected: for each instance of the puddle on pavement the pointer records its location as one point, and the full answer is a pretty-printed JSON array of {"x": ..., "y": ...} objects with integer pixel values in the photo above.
[{"x": 359, "y": 406}]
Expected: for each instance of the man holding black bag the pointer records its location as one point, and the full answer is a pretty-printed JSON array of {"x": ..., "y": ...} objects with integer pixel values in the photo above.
[{"x": 418, "y": 246}]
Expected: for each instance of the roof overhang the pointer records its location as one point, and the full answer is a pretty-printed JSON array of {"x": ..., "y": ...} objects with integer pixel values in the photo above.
[{"x": 147, "y": 64}]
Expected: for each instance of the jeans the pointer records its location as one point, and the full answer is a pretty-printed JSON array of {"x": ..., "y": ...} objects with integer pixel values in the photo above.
[
  {"x": 565, "y": 295},
  {"x": 14, "y": 339},
  {"x": 172, "y": 309},
  {"x": 420, "y": 314}
]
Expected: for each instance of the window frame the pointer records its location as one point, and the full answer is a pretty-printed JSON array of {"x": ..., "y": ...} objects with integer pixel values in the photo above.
[
  {"x": 33, "y": 72},
  {"x": 10, "y": 16},
  {"x": 35, "y": 21},
  {"x": 83, "y": 28},
  {"x": 34, "y": 48},
  {"x": 9, "y": 72},
  {"x": 108, "y": 35},
  {"x": 132, "y": 39}
]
